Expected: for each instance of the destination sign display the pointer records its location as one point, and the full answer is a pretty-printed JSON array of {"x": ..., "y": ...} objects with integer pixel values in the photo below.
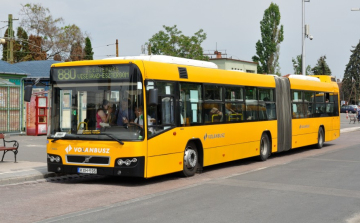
[{"x": 87, "y": 73}]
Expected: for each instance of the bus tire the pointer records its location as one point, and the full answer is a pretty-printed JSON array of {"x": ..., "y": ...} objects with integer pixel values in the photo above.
[
  {"x": 264, "y": 147},
  {"x": 321, "y": 138},
  {"x": 191, "y": 160}
]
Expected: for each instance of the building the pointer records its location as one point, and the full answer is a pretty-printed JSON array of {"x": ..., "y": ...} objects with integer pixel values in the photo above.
[
  {"x": 39, "y": 78},
  {"x": 39, "y": 71},
  {"x": 13, "y": 78},
  {"x": 11, "y": 97},
  {"x": 233, "y": 64}
]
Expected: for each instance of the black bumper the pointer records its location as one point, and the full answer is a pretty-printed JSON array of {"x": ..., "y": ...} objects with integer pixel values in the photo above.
[{"x": 131, "y": 171}]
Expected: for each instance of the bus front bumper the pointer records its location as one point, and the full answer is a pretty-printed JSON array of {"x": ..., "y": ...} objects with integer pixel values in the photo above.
[{"x": 123, "y": 170}]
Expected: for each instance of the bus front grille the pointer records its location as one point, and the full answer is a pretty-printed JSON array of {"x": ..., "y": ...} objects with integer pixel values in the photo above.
[{"x": 95, "y": 160}]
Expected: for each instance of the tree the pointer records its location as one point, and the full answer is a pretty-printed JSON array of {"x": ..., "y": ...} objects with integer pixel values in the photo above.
[
  {"x": 297, "y": 64},
  {"x": 35, "y": 48},
  {"x": 56, "y": 40},
  {"x": 88, "y": 49},
  {"x": 21, "y": 46},
  {"x": 272, "y": 35},
  {"x": 351, "y": 76},
  {"x": 76, "y": 52},
  {"x": 4, "y": 56},
  {"x": 321, "y": 67},
  {"x": 172, "y": 42}
]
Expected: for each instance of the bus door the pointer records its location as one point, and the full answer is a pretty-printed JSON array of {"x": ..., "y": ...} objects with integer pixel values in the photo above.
[{"x": 65, "y": 109}]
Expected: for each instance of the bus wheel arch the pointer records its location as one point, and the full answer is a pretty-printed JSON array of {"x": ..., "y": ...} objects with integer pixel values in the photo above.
[
  {"x": 265, "y": 146},
  {"x": 193, "y": 158},
  {"x": 321, "y": 137}
]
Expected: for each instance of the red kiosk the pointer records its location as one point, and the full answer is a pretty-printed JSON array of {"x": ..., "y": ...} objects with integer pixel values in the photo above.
[{"x": 36, "y": 115}]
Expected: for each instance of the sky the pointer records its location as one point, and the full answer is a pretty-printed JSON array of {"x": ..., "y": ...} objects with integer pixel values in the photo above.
[{"x": 231, "y": 25}]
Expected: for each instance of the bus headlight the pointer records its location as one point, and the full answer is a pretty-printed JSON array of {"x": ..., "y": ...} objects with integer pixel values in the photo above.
[
  {"x": 53, "y": 158},
  {"x": 127, "y": 162}
]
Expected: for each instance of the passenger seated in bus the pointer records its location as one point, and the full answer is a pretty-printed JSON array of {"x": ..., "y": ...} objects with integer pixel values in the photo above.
[
  {"x": 139, "y": 120},
  {"x": 112, "y": 115},
  {"x": 124, "y": 114},
  {"x": 216, "y": 115},
  {"x": 101, "y": 116}
]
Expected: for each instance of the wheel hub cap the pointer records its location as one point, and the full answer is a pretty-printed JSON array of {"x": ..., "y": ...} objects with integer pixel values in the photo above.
[{"x": 190, "y": 158}]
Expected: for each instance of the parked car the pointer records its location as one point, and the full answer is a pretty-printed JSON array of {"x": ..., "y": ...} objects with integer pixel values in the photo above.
[{"x": 348, "y": 108}]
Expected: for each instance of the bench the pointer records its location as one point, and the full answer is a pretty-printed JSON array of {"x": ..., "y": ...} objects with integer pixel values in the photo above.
[
  {"x": 14, "y": 147},
  {"x": 352, "y": 118}
]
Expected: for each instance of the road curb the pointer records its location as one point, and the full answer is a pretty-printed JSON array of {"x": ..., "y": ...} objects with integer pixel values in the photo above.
[{"x": 27, "y": 178}]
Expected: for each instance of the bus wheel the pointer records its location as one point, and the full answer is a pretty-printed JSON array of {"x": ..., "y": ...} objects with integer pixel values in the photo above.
[
  {"x": 321, "y": 138},
  {"x": 264, "y": 147},
  {"x": 191, "y": 160}
]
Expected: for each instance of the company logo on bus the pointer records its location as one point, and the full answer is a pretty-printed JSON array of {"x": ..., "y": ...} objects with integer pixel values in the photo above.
[
  {"x": 214, "y": 136},
  {"x": 87, "y": 150},
  {"x": 304, "y": 126},
  {"x": 68, "y": 149}
]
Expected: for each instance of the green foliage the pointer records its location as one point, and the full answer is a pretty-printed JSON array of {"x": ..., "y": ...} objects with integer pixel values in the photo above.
[
  {"x": 321, "y": 68},
  {"x": 21, "y": 46},
  {"x": 172, "y": 42},
  {"x": 297, "y": 68},
  {"x": 88, "y": 49},
  {"x": 272, "y": 34},
  {"x": 351, "y": 76},
  {"x": 4, "y": 54}
]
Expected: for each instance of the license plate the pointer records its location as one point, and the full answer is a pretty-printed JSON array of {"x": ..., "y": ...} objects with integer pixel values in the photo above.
[{"x": 87, "y": 170}]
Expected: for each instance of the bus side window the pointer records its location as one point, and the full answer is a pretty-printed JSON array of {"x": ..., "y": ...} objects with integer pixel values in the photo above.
[{"x": 191, "y": 98}]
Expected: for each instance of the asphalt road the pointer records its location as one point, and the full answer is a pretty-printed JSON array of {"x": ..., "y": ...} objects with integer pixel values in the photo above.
[{"x": 302, "y": 185}]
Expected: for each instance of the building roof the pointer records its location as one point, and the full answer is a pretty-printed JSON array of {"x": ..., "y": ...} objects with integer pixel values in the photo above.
[
  {"x": 232, "y": 60},
  {"x": 6, "y": 68},
  {"x": 37, "y": 68}
]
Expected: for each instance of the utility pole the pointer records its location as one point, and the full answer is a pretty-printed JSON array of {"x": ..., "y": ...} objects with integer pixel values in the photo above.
[
  {"x": 149, "y": 49},
  {"x": 117, "y": 48},
  {"x": 10, "y": 46}
]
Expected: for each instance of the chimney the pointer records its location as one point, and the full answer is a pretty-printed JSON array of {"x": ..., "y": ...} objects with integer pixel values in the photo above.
[{"x": 218, "y": 54}]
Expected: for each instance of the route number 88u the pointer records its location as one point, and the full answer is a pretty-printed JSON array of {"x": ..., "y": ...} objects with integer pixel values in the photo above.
[{"x": 67, "y": 74}]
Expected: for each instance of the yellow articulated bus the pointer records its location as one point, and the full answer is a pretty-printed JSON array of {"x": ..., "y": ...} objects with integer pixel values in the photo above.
[{"x": 147, "y": 116}]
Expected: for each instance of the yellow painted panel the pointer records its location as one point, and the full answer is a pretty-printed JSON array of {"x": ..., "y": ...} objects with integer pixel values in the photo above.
[
  {"x": 231, "y": 152},
  {"x": 208, "y": 75},
  {"x": 96, "y": 148},
  {"x": 313, "y": 85},
  {"x": 170, "y": 163},
  {"x": 210, "y": 136},
  {"x": 274, "y": 148},
  {"x": 304, "y": 140}
]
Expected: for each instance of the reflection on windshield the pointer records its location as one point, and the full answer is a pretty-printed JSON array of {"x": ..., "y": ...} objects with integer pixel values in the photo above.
[{"x": 95, "y": 110}]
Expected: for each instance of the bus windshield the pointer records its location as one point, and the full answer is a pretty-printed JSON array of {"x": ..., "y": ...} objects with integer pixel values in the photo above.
[{"x": 97, "y": 110}]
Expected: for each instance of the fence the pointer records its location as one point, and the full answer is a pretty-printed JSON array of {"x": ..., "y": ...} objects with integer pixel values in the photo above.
[{"x": 10, "y": 109}]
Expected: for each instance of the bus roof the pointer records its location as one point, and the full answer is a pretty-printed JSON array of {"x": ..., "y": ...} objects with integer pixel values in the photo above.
[{"x": 168, "y": 59}]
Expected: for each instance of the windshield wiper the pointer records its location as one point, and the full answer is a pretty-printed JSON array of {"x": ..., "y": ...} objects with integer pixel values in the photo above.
[
  {"x": 64, "y": 137},
  {"x": 111, "y": 136},
  {"x": 106, "y": 134}
]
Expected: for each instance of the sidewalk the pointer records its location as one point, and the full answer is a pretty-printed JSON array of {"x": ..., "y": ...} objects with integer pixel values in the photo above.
[{"x": 12, "y": 173}]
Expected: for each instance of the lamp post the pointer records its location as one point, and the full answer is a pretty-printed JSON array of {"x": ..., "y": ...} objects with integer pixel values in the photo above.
[{"x": 304, "y": 35}]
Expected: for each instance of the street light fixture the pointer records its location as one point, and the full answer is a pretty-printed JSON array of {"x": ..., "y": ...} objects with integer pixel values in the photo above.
[
  {"x": 355, "y": 9},
  {"x": 305, "y": 33}
]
